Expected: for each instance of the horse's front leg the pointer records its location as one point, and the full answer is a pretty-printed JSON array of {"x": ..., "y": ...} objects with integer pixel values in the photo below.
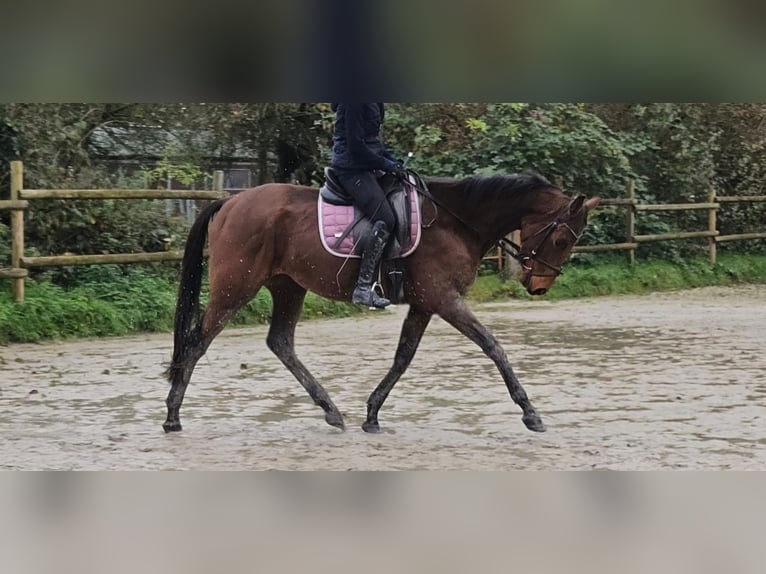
[
  {"x": 412, "y": 331},
  {"x": 457, "y": 314}
]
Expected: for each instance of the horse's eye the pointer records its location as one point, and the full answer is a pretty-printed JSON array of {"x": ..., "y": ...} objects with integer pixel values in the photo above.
[{"x": 560, "y": 243}]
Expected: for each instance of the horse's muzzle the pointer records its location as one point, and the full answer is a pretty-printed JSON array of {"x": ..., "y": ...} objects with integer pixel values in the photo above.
[{"x": 529, "y": 284}]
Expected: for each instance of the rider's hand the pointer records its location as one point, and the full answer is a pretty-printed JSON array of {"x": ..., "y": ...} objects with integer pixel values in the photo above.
[{"x": 398, "y": 169}]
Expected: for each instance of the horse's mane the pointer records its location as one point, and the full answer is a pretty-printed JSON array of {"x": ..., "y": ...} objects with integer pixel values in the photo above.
[
  {"x": 495, "y": 185},
  {"x": 478, "y": 188}
]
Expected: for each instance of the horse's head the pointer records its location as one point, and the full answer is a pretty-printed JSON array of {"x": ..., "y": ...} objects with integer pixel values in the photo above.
[{"x": 547, "y": 240}]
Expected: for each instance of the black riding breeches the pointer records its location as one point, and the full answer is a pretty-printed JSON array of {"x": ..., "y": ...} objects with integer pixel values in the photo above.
[{"x": 368, "y": 196}]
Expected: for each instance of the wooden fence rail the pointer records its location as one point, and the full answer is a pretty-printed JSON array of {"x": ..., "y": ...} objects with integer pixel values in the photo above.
[
  {"x": 118, "y": 194},
  {"x": 20, "y": 200}
]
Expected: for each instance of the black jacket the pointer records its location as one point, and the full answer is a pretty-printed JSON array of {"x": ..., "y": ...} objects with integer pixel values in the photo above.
[{"x": 356, "y": 143}]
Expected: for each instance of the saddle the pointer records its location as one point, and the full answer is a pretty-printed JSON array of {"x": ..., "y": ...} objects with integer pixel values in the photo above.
[{"x": 342, "y": 226}]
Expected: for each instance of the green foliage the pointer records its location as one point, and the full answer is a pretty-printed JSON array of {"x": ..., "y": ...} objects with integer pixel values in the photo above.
[
  {"x": 111, "y": 300},
  {"x": 136, "y": 302},
  {"x": 49, "y": 312},
  {"x": 493, "y": 287},
  {"x": 564, "y": 142},
  {"x": 437, "y": 134},
  {"x": 5, "y": 245},
  {"x": 258, "y": 310},
  {"x": 316, "y": 307},
  {"x": 686, "y": 149},
  {"x": 144, "y": 302},
  {"x": 105, "y": 226},
  {"x": 171, "y": 167}
]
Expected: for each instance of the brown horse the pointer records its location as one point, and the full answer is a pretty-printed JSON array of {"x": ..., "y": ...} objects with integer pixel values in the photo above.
[{"x": 268, "y": 236}]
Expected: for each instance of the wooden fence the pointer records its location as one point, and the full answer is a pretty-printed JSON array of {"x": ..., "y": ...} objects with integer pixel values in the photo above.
[
  {"x": 19, "y": 201},
  {"x": 634, "y": 208},
  {"x": 20, "y": 198}
]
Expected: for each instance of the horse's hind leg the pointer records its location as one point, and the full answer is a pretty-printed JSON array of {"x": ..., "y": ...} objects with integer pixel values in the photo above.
[
  {"x": 412, "y": 331},
  {"x": 288, "y": 303},
  {"x": 179, "y": 375},
  {"x": 217, "y": 314},
  {"x": 460, "y": 317}
]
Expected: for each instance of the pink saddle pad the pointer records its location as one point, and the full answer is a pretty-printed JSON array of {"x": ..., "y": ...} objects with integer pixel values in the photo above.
[{"x": 334, "y": 220}]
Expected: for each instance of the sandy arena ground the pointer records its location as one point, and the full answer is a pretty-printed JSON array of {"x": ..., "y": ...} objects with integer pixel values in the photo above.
[{"x": 662, "y": 381}]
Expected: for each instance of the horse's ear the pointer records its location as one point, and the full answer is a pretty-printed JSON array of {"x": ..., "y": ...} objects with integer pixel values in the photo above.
[
  {"x": 579, "y": 202},
  {"x": 576, "y": 204}
]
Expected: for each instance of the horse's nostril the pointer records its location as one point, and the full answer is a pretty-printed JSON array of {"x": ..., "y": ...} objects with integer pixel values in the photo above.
[{"x": 540, "y": 291}]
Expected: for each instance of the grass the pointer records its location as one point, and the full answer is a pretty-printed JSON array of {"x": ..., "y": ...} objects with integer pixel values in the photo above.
[{"x": 137, "y": 301}]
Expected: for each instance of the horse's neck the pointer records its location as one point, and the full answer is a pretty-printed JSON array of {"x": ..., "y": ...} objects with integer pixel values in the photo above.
[
  {"x": 499, "y": 216},
  {"x": 540, "y": 204}
]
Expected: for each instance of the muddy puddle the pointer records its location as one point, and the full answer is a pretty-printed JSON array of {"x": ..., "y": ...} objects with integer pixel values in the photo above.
[{"x": 662, "y": 381}]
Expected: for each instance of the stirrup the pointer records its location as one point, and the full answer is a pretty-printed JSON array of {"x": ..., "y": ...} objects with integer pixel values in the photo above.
[
  {"x": 382, "y": 299},
  {"x": 372, "y": 299}
]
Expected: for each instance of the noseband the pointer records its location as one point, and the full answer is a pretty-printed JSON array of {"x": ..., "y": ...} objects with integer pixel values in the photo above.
[{"x": 526, "y": 261}]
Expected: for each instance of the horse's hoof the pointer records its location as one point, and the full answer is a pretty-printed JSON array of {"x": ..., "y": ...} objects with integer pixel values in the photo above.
[
  {"x": 367, "y": 426},
  {"x": 533, "y": 423},
  {"x": 335, "y": 420},
  {"x": 172, "y": 426}
]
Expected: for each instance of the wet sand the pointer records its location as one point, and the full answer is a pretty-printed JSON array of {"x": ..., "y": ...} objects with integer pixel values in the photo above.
[{"x": 663, "y": 381}]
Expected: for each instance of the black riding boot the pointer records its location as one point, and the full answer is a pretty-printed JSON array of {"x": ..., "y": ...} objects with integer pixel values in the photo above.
[{"x": 364, "y": 294}]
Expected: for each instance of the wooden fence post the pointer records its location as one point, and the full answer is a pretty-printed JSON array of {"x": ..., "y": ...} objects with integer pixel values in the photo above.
[
  {"x": 218, "y": 180},
  {"x": 630, "y": 221},
  {"x": 711, "y": 225},
  {"x": 511, "y": 266},
  {"x": 17, "y": 230}
]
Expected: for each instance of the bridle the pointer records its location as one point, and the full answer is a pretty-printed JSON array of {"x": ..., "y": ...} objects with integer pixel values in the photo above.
[
  {"x": 513, "y": 250},
  {"x": 507, "y": 246}
]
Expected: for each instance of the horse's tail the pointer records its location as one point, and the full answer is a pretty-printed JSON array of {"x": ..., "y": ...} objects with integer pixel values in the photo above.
[{"x": 187, "y": 322}]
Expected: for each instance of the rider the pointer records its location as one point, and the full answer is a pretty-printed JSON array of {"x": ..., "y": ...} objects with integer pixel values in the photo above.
[{"x": 357, "y": 153}]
